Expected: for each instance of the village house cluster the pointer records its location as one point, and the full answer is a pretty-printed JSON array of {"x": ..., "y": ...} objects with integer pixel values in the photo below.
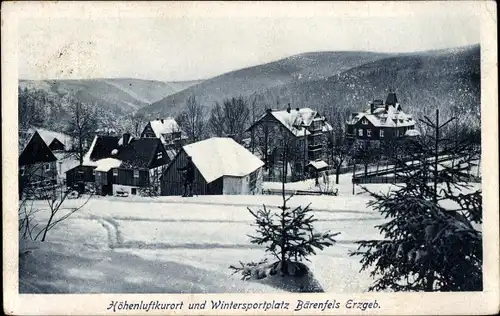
[{"x": 288, "y": 140}]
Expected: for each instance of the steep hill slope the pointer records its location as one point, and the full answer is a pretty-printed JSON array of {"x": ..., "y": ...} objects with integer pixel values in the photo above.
[{"x": 308, "y": 66}]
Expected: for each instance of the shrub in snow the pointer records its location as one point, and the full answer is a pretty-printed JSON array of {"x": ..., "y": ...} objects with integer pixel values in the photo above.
[
  {"x": 428, "y": 247},
  {"x": 290, "y": 238}
]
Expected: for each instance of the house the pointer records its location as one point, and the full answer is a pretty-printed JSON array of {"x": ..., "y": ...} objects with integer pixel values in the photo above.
[
  {"x": 305, "y": 130},
  {"x": 121, "y": 164},
  {"x": 222, "y": 166},
  {"x": 168, "y": 131},
  {"x": 37, "y": 163},
  {"x": 137, "y": 165},
  {"x": 382, "y": 121},
  {"x": 101, "y": 147}
]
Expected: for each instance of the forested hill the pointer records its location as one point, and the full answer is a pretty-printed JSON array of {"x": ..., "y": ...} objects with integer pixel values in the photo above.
[
  {"x": 244, "y": 82},
  {"x": 448, "y": 79}
]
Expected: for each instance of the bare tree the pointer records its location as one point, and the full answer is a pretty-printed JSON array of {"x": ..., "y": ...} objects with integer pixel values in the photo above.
[
  {"x": 133, "y": 123},
  {"x": 230, "y": 119},
  {"x": 192, "y": 120},
  {"x": 339, "y": 146},
  {"x": 39, "y": 194},
  {"x": 82, "y": 125}
]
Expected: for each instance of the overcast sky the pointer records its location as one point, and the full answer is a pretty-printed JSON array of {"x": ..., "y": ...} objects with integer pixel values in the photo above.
[{"x": 185, "y": 48}]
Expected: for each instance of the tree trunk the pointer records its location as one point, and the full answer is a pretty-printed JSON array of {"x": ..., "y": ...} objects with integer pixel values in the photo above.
[{"x": 337, "y": 173}]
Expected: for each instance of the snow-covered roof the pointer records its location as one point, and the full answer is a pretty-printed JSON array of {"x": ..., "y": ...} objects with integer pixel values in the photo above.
[
  {"x": 318, "y": 164},
  {"x": 48, "y": 136},
  {"x": 295, "y": 120},
  {"x": 86, "y": 158},
  {"x": 412, "y": 132},
  {"x": 164, "y": 126},
  {"x": 222, "y": 156},
  {"x": 107, "y": 164},
  {"x": 384, "y": 118}
]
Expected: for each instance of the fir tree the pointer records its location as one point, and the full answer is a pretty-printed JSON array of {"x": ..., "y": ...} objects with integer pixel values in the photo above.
[
  {"x": 288, "y": 235},
  {"x": 430, "y": 241}
]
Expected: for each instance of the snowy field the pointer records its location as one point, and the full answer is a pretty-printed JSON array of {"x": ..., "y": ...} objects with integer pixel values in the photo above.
[{"x": 184, "y": 245}]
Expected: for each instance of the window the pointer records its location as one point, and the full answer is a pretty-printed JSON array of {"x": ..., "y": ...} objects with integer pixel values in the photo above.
[
  {"x": 47, "y": 167},
  {"x": 115, "y": 172},
  {"x": 93, "y": 172},
  {"x": 360, "y": 132},
  {"x": 22, "y": 170},
  {"x": 381, "y": 133},
  {"x": 364, "y": 122},
  {"x": 369, "y": 132},
  {"x": 159, "y": 155},
  {"x": 136, "y": 173}
]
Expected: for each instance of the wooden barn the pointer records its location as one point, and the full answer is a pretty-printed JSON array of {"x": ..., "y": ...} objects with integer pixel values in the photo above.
[
  {"x": 37, "y": 163},
  {"x": 222, "y": 166}
]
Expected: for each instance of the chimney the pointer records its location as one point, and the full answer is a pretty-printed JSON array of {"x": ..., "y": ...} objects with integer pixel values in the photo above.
[
  {"x": 372, "y": 107},
  {"x": 126, "y": 139},
  {"x": 161, "y": 121},
  {"x": 288, "y": 109},
  {"x": 269, "y": 110},
  {"x": 297, "y": 109}
]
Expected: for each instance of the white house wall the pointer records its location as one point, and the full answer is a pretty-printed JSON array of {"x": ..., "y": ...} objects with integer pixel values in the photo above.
[
  {"x": 241, "y": 185},
  {"x": 233, "y": 185}
]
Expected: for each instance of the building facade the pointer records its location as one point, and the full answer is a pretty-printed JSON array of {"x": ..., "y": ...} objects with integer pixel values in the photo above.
[
  {"x": 382, "y": 121},
  {"x": 302, "y": 133}
]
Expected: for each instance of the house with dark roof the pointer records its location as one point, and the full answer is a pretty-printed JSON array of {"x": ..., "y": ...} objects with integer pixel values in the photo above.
[
  {"x": 37, "y": 163},
  {"x": 306, "y": 131},
  {"x": 381, "y": 121},
  {"x": 138, "y": 164}
]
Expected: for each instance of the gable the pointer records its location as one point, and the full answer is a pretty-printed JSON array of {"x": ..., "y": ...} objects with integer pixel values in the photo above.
[
  {"x": 160, "y": 157},
  {"x": 56, "y": 143},
  {"x": 36, "y": 151},
  {"x": 148, "y": 131}
]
